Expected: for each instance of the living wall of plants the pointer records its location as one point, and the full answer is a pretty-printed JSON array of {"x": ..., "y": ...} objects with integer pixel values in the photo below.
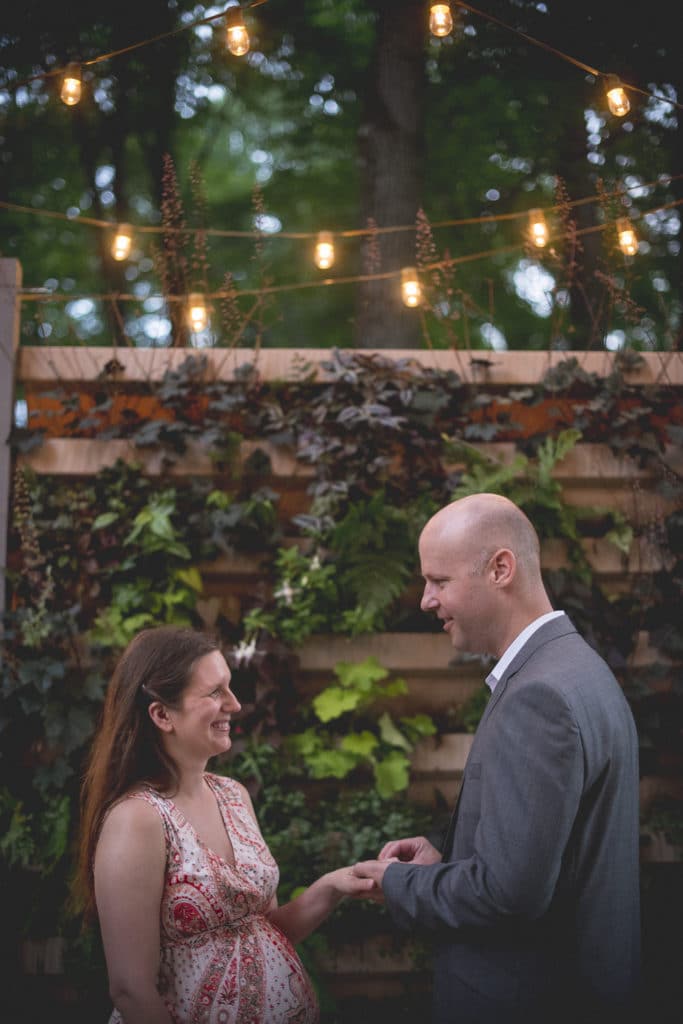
[{"x": 376, "y": 447}]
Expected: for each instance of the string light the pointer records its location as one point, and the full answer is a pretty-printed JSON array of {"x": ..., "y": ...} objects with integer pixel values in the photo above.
[
  {"x": 411, "y": 292},
  {"x": 197, "y": 313},
  {"x": 617, "y": 100},
  {"x": 237, "y": 35},
  {"x": 71, "y": 85},
  {"x": 538, "y": 229},
  {"x": 440, "y": 19},
  {"x": 123, "y": 240},
  {"x": 324, "y": 250},
  {"x": 628, "y": 241}
]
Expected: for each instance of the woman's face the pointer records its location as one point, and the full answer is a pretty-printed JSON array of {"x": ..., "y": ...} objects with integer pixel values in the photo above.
[{"x": 202, "y": 722}]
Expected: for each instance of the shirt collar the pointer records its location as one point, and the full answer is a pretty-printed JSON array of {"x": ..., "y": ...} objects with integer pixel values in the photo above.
[{"x": 496, "y": 673}]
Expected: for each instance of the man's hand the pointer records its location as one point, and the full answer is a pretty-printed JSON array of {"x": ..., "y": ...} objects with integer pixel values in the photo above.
[{"x": 416, "y": 850}]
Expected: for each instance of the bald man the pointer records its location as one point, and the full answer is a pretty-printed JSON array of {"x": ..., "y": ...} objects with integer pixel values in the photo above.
[{"x": 533, "y": 900}]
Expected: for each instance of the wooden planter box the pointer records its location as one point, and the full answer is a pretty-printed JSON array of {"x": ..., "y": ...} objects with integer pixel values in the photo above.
[{"x": 381, "y": 966}]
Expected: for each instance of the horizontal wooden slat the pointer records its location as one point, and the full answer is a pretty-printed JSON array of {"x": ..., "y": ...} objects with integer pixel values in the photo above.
[
  {"x": 614, "y": 483},
  {"x": 602, "y": 555},
  {"x": 422, "y": 653},
  {"x": 398, "y": 652},
  {"x": 49, "y": 365},
  {"x": 443, "y": 754},
  {"x": 83, "y": 456}
]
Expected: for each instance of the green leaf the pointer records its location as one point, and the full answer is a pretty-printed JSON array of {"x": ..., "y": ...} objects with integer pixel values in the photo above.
[
  {"x": 391, "y": 734},
  {"x": 361, "y": 744},
  {"x": 331, "y": 764},
  {"x": 105, "y": 519},
  {"x": 333, "y": 702},
  {"x": 419, "y": 725},
  {"x": 360, "y": 675},
  {"x": 392, "y": 774},
  {"x": 622, "y": 537},
  {"x": 192, "y": 577}
]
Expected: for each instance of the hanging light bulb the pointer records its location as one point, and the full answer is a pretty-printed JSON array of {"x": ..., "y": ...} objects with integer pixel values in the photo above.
[
  {"x": 123, "y": 240},
  {"x": 538, "y": 229},
  {"x": 197, "y": 313},
  {"x": 617, "y": 100},
  {"x": 628, "y": 241},
  {"x": 237, "y": 35},
  {"x": 324, "y": 250},
  {"x": 440, "y": 19},
  {"x": 71, "y": 85},
  {"x": 411, "y": 292}
]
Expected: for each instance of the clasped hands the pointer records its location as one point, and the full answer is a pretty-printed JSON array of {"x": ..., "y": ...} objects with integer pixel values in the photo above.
[{"x": 415, "y": 850}]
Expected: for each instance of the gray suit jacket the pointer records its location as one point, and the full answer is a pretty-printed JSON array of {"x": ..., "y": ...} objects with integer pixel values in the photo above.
[{"x": 535, "y": 907}]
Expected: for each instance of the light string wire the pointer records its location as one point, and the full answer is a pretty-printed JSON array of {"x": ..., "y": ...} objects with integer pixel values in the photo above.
[
  {"x": 42, "y": 295},
  {"x": 129, "y": 49},
  {"x": 564, "y": 56},
  {"x": 159, "y": 229},
  {"x": 257, "y": 3}
]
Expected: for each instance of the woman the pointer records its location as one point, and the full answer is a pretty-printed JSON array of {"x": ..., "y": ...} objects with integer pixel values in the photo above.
[{"x": 172, "y": 859}]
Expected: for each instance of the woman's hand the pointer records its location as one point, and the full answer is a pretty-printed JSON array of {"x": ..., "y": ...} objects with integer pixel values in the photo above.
[{"x": 346, "y": 882}]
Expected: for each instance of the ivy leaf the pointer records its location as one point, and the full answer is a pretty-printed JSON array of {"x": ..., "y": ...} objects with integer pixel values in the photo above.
[
  {"x": 622, "y": 537},
  {"x": 105, "y": 519},
  {"x": 331, "y": 764},
  {"x": 418, "y": 725},
  {"x": 335, "y": 701},
  {"x": 392, "y": 774},
  {"x": 191, "y": 577},
  {"x": 391, "y": 734},
  {"x": 360, "y": 675},
  {"x": 360, "y": 744}
]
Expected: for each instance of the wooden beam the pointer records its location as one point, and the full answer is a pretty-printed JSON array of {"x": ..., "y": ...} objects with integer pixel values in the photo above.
[
  {"x": 10, "y": 283},
  {"x": 65, "y": 456},
  {"x": 49, "y": 365}
]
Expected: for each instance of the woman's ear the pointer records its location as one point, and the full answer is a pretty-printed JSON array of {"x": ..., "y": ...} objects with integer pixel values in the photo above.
[{"x": 158, "y": 712}]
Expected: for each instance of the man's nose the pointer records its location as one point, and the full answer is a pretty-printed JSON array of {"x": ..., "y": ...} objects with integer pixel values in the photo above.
[{"x": 429, "y": 600}]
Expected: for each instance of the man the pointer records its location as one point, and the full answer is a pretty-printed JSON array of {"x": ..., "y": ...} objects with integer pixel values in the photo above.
[{"x": 533, "y": 902}]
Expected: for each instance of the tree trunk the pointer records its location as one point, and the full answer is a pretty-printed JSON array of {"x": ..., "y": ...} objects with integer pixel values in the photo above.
[{"x": 391, "y": 148}]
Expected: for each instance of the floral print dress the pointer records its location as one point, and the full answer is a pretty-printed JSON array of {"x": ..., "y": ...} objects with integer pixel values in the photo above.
[{"x": 222, "y": 961}]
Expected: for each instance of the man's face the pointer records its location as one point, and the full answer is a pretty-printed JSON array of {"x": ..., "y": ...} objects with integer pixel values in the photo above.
[{"x": 461, "y": 598}]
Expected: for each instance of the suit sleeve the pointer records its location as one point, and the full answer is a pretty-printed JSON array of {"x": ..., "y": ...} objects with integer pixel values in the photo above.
[{"x": 531, "y": 784}]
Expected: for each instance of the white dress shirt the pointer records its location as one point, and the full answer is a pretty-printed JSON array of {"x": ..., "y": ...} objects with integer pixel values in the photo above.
[{"x": 497, "y": 671}]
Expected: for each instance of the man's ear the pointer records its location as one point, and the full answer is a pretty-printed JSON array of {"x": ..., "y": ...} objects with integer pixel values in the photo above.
[
  {"x": 503, "y": 567},
  {"x": 158, "y": 712}
]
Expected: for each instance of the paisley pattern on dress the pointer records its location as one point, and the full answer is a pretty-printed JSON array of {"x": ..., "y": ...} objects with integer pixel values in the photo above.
[{"x": 222, "y": 961}]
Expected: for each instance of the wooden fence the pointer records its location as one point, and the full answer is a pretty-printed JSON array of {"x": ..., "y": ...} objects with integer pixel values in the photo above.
[{"x": 591, "y": 475}]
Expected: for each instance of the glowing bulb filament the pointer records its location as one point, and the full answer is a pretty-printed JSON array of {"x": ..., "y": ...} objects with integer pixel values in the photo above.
[
  {"x": 617, "y": 100},
  {"x": 123, "y": 240},
  {"x": 197, "y": 313},
  {"x": 538, "y": 229},
  {"x": 324, "y": 250},
  {"x": 411, "y": 292},
  {"x": 628, "y": 242},
  {"x": 440, "y": 19},
  {"x": 71, "y": 85},
  {"x": 237, "y": 35}
]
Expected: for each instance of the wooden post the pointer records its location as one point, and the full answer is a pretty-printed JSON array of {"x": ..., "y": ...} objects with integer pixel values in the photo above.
[{"x": 10, "y": 283}]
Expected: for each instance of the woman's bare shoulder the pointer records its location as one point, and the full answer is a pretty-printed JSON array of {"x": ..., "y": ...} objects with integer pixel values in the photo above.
[{"x": 133, "y": 810}]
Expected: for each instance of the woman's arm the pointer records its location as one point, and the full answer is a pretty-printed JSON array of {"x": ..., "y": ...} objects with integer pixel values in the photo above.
[
  {"x": 302, "y": 915},
  {"x": 130, "y": 862}
]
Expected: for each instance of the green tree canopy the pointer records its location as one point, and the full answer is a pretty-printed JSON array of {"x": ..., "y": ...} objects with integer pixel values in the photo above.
[{"x": 344, "y": 115}]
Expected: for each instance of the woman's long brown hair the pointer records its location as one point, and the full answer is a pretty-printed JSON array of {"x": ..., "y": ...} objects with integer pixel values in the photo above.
[{"x": 126, "y": 750}]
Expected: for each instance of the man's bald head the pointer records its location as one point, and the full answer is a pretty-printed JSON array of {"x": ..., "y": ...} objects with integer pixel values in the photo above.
[{"x": 485, "y": 523}]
